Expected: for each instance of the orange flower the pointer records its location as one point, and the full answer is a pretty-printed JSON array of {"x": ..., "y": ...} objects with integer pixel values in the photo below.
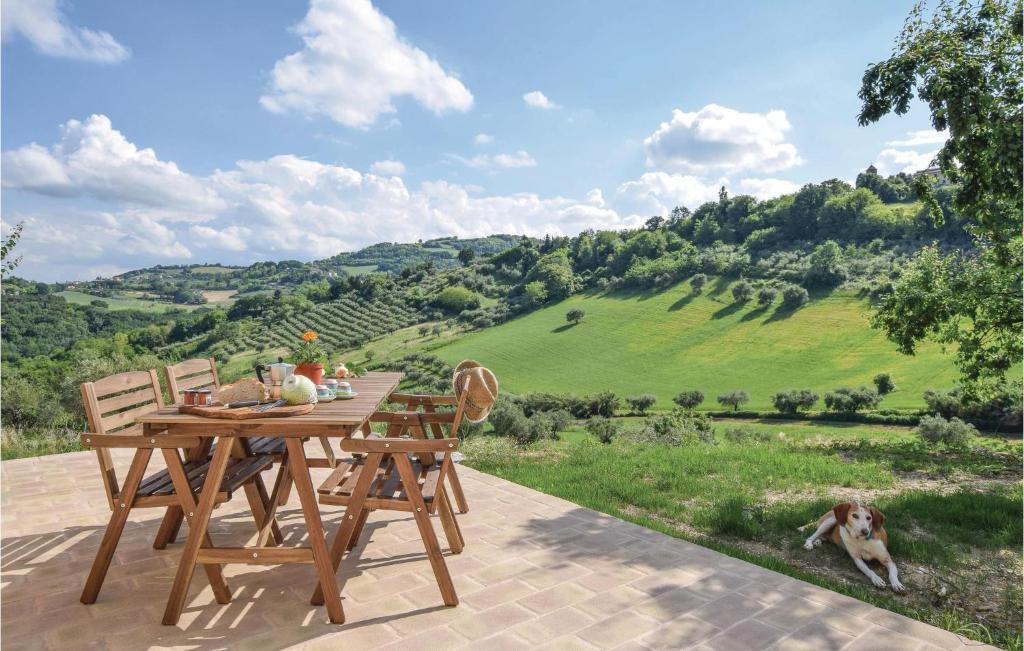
[{"x": 309, "y": 335}]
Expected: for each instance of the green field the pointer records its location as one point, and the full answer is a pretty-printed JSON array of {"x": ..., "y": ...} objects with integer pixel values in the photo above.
[
  {"x": 122, "y": 302},
  {"x": 665, "y": 342},
  {"x": 359, "y": 270}
]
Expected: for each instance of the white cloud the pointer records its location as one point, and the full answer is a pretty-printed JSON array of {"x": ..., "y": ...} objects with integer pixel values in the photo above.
[
  {"x": 537, "y": 99},
  {"x": 483, "y": 139},
  {"x": 893, "y": 161},
  {"x": 486, "y": 161},
  {"x": 657, "y": 193},
  {"x": 94, "y": 159},
  {"x": 722, "y": 140},
  {"x": 44, "y": 25},
  {"x": 354, "y": 64},
  {"x": 920, "y": 138},
  {"x": 389, "y": 167},
  {"x": 763, "y": 189}
]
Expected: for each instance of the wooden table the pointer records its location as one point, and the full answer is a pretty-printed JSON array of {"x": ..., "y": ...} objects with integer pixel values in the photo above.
[{"x": 340, "y": 418}]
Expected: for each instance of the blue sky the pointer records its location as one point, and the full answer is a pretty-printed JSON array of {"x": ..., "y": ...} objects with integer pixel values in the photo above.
[{"x": 144, "y": 133}]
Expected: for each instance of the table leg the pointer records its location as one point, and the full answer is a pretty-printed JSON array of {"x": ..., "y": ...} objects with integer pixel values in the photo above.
[
  {"x": 317, "y": 539},
  {"x": 188, "y": 508},
  {"x": 355, "y": 516},
  {"x": 197, "y": 531}
]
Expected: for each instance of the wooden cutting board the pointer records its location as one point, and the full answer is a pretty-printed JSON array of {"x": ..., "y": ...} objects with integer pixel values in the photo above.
[{"x": 245, "y": 413}]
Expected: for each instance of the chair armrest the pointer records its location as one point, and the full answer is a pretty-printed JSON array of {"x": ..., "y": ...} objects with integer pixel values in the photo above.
[
  {"x": 138, "y": 441},
  {"x": 411, "y": 399},
  {"x": 412, "y": 416},
  {"x": 399, "y": 445}
]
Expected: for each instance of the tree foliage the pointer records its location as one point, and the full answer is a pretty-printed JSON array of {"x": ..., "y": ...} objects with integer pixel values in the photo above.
[{"x": 964, "y": 60}]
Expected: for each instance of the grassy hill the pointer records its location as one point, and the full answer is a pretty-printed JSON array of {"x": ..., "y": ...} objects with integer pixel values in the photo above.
[{"x": 664, "y": 342}]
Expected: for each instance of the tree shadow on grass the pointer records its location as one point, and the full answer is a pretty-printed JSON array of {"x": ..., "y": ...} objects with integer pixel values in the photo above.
[
  {"x": 755, "y": 313},
  {"x": 781, "y": 313},
  {"x": 719, "y": 286},
  {"x": 564, "y": 327},
  {"x": 729, "y": 309},
  {"x": 682, "y": 302}
]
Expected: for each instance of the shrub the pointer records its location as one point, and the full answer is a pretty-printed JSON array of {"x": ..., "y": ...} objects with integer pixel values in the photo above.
[
  {"x": 562, "y": 419},
  {"x": 884, "y": 384},
  {"x": 541, "y": 427},
  {"x": 850, "y": 400},
  {"x": 508, "y": 420},
  {"x": 765, "y": 296},
  {"x": 456, "y": 299},
  {"x": 640, "y": 404},
  {"x": 689, "y": 399},
  {"x": 794, "y": 296},
  {"x": 740, "y": 435},
  {"x": 604, "y": 429},
  {"x": 952, "y": 433},
  {"x": 943, "y": 403},
  {"x": 675, "y": 428},
  {"x": 575, "y": 315},
  {"x": 742, "y": 291},
  {"x": 734, "y": 399},
  {"x": 697, "y": 283},
  {"x": 790, "y": 402}
]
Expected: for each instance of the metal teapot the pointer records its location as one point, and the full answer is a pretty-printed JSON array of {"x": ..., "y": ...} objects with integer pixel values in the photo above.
[{"x": 278, "y": 372}]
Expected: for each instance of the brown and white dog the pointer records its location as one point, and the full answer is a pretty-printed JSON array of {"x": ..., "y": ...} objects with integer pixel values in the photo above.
[{"x": 860, "y": 531}]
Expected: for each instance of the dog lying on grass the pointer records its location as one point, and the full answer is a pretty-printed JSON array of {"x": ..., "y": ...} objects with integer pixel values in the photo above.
[{"x": 860, "y": 531}]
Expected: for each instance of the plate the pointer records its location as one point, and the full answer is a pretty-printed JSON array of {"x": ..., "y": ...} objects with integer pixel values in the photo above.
[{"x": 345, "y": 396}]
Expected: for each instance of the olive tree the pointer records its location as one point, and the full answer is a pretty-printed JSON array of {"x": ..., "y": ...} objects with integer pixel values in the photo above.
[
  {"x": 742, "y": 291},
  {"x": 733, "y": 399},
  {"x": 689, "y": 399},
  {"x": 640, "y": 404}
]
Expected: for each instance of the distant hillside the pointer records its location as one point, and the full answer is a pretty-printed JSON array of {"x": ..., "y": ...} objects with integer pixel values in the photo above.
[{"x": 664, "y": 342}]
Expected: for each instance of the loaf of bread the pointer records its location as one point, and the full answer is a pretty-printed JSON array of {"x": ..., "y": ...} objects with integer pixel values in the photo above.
[{"x": 248, "y": 388}]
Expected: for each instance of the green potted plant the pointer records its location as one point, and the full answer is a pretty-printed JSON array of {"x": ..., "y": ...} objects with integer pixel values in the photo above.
[{"x": 309, "y": 357}]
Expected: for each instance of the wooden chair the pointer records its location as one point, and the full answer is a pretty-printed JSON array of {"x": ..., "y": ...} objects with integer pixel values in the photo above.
[
  {"x": 400, "y": 474},
  {"x": 428, "y": 403},
  {"x": 112, "y": 405}
]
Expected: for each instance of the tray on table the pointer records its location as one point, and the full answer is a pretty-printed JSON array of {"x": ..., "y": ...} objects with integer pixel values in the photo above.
[{"x": 245, "y": 413}]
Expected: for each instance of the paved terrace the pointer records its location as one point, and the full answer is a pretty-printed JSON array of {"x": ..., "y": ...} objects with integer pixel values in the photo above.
[{"x": 537, "y": 572}]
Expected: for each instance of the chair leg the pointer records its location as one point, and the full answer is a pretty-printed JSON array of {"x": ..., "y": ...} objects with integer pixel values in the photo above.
[
  {"x": 449, "y": 523},
  {"x": 171, "y": 524},
  {"x": 269, "y": 517},
  {"x": 411, "y": 485},
  {"x": 268, "y": 512},
  {"x": 360, "y": 523},
  {"x": 169, "y": 527},
  {"x": 460, "y": 497},
  {"x": 286, "y": 489},
  {"x": 122, "y": 507}
]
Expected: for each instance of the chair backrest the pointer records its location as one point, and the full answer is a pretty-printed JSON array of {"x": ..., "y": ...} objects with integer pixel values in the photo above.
[
  {"x": 191, "y": 374},
  {"x": 112, "y": 405}
]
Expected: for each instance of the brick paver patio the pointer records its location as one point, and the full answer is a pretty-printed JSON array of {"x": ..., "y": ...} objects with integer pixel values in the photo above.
[{"x": 537, "y": 572}]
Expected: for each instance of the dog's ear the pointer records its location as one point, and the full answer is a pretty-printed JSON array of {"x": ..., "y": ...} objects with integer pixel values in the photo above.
[
  {"x": 877, "y": 518},
  {"x": 842, "y": 511}
]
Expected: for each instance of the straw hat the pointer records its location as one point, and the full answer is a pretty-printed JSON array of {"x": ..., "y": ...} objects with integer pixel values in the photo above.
[
  {"x": 481, "y": 389},
  {"x": 463, "y": 365}
]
